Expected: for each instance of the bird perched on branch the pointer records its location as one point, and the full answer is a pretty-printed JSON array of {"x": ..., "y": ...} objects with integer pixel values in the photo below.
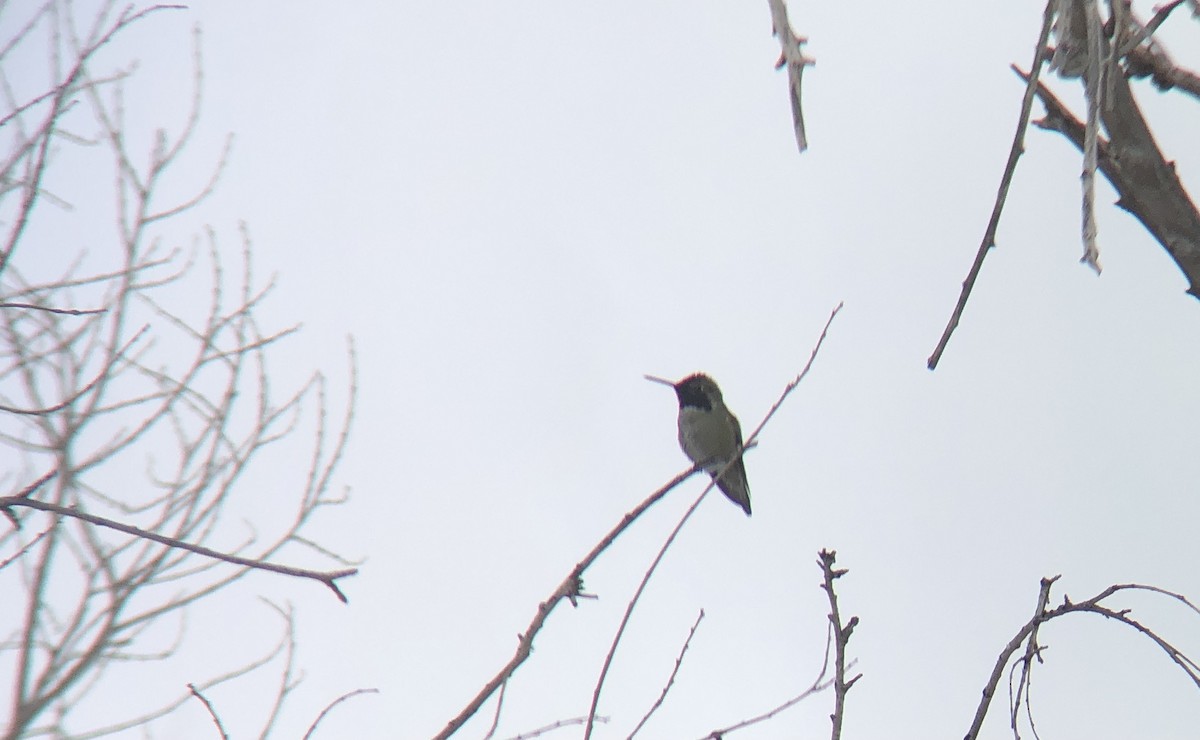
[{"x": 710, "y": 435}]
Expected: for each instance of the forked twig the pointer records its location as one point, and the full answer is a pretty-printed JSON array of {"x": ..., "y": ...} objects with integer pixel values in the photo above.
[{"x": 1028, "y": 635}]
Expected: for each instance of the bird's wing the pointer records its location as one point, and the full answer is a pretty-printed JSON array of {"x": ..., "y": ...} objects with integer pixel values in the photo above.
[{"x": 734, "y": 484}]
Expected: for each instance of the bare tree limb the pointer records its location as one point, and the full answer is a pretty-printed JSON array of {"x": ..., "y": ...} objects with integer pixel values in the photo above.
[
  {"x": 64, "y": 311},
  {"x": 792, "y": 57},
  {"x": 211, "y": 712},
  {"x": 86, "y": 393},
  {"x": 1032, "y": 650},
  {"x": 1028, "y": 634},
  {"x": 570, "y": 589},
  {"x": 1014, "y": 153},
  {"x": 841, "y": 637},
  {"x": 819, "y": 684},
  {"x": 329, "y": 578},
  {"x": 1147, "y": 185}
]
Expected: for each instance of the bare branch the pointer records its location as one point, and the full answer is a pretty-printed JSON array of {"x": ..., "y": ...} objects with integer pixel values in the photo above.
[
  {"x": 211, "y": 712},
  {"x": 85, "y": 389},
  {"x": 24, "y": 548},
  {"x": 329, "y": 578},
  {"x": 1094, "y": 87},
  {"x": 571, "y": 589},
  {"x": 555, "y": 726},
  {"x": 792, "y": 57},
  {"x": 349, "y": 695},
  {"x": 64, "y": 311},
  {"x": 670, "y": 679},
  {"x": 1142, "y": 33},
  {"x": 1032, "y": 650},
  {"x": 1014, "y": 153},
  {"x": 819, "y": 684},
  {"x": 1028, "y": 634},
  {"x": 841, "y": 636},
  {"x": 1147, "y": 184}
]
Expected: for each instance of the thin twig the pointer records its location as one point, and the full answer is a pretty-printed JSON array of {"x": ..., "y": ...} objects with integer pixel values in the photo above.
[
  {"x": 555, "y": 726},
  {"x": 670, "y": 680},
  {"x": 62, "y": 311},
  {"x": 101, "y": 376},
  {"x": 819, "y": 684},
  {"x": 313, "y": 727},
  {"x": 750, "y": 441},
  {"x": 1144, "y": 32},
  {"x": 211, "y": 712},
  {"x": 1032, "y": 650},
  {"x": 612, "y": 649},
  {"x": 496, "y": 717},
  {"x": 1094, "y": 79},
  {"x": 25, "y": 548},
  {"x": 1014, "y": 153}
]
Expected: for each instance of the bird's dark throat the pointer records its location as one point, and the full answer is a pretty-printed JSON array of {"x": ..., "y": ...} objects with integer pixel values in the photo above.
[{"x": 690, "y": 394}]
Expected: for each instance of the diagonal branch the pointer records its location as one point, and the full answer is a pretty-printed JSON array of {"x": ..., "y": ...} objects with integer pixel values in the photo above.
[
  {"x": 670, "y": 679},
  {"x": 1014, "y": 153},
  {"x": 570, "y": 589}
]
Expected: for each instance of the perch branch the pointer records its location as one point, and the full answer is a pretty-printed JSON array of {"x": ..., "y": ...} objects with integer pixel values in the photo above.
[{"x": 570, "y": 589}]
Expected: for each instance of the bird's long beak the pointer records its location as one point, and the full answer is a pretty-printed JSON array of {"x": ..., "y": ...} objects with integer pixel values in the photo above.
[{"x": 655, "y": 379}]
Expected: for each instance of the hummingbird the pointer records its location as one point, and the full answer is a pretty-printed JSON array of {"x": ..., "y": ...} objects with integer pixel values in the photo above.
[{"x": 710, "y": 434}]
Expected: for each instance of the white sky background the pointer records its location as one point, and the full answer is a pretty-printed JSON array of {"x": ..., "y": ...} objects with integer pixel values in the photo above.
[{"x": 519, "y": 208}]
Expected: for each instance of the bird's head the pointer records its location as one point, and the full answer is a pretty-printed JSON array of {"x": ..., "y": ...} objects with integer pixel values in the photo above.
[{"x": 698, "y": 391}]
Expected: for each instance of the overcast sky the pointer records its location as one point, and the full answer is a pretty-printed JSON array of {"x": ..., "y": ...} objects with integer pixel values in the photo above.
[{"x": 519, "y": 208}]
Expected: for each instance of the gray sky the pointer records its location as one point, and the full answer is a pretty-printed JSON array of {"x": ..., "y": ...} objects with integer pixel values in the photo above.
[{"x": 519, "y": 208}]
